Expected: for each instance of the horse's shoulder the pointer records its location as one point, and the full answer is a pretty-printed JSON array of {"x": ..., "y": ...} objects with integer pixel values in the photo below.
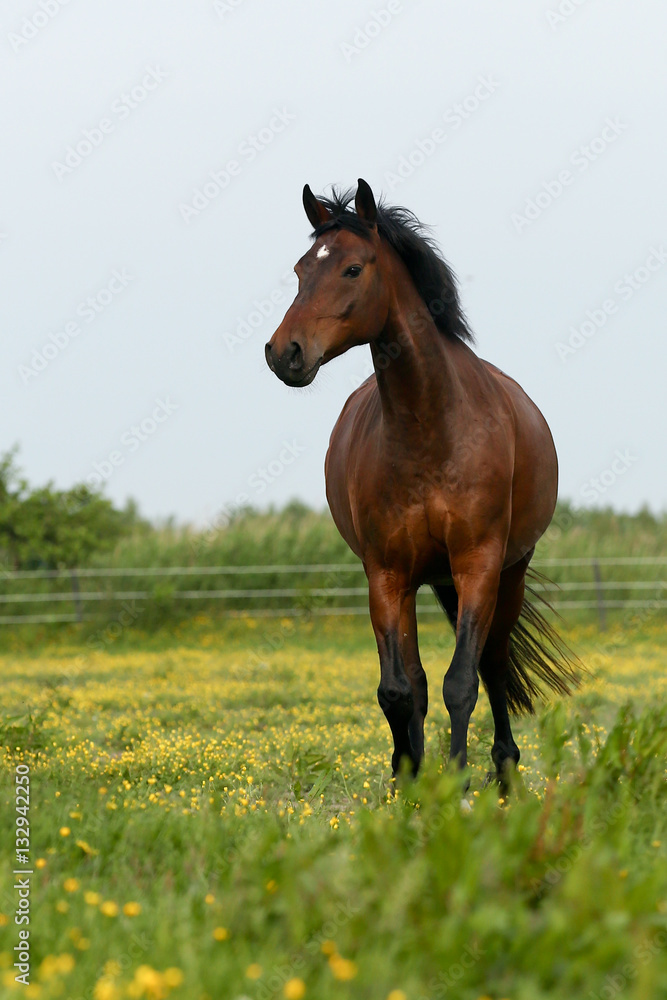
[
  {"x": 509, "y": 385},
  {"x": 361, "y": 395},
  {"x": 352, "y": 406},
  {"x": 498, "y": 372}
]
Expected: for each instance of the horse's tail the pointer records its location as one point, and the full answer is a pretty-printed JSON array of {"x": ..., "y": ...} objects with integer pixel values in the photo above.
[{"x": 538, "y": 656}]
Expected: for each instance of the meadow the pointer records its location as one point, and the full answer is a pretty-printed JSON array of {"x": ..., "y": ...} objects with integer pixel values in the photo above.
[{"x": 211, "y": 816}]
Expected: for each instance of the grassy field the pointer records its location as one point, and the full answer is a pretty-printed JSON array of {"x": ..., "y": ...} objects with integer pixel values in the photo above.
[{"x": 210, "y": 817}]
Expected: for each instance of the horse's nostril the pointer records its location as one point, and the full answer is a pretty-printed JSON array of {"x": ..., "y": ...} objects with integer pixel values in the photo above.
[{"x": 295, "y": 356}]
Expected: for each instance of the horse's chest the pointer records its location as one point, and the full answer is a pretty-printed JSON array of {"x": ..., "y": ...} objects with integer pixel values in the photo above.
[
  {"x": 417, "y": 493},
  {"x": 405, "y": 513}
]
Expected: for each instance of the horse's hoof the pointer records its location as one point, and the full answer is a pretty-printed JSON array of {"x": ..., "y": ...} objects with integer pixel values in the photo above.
[{"x": 465, "y": 806}]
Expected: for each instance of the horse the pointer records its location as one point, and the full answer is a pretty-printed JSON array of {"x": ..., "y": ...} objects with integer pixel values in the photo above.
[{"x": 440, "y": 471}]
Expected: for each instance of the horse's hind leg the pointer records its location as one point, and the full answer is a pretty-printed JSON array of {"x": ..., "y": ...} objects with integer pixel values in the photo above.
[
  {"x": 494, "y": 668},
  {"x": 449, "y": 601},
  {"x": 416, "y": 675},
  {"x": 476, "y": 583},
  {"x": 390, "y": 606}
]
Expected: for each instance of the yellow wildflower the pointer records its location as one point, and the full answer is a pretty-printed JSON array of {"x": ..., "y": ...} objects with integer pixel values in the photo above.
[
  {"x": 65, "y": 962},
  {"x": 294, "y": 989},
  {"x": 173, "y": 977},
  {"x": 147, "y": 982},
  {"x": 86, "y": 848},
  {"x": 106, "y": 989},
  {"x": 342, "y": 968}
]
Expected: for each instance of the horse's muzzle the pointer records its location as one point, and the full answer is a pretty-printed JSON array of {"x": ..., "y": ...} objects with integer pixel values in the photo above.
[{"x": 290, "y": 366}]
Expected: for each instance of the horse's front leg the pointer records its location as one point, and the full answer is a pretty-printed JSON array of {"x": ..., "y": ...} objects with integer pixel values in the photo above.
[
  {"x": 390, "y": 606},
  {"x": 477, "y": 589}
]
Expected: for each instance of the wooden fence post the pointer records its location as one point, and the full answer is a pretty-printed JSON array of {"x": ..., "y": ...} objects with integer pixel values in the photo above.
[
  {"x": 599, "y": 592},
  {"x": 78, "y": 605}
]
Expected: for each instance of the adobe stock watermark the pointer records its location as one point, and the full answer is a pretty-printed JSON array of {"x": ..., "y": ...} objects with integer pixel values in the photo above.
[
  {"x": 580, "y": 159},
  {"x": 596, "y": 487},
  {"x": 99, "y": 641},
  {"x": 261, "y": 310},
  {"x": 246, "y": 153},
  {"x": 86, "y": 312},
  {"x": 224, "y": 7},
  {"x": 450, "y": 979},
  {"x": 451, "y": 121},
  {"x": 564, "y": 10},
  {"x": 32, "y": 25},
  {"x": 272, "y": 982},
  {"x": 592, "y": 489},
  {"x": 625, "y": 288},
  {"x": 256, "y": 485},
  {"x": 367, "y": 32},
  {"x": 393, "y": 350},
  {"x": 121, "y": 109},
  {"x": 617, "y": 982},
  {"x": 304, "y": 608},
  {"x": 555, "y": 872},
  {"x": 131, "y": 440},
  {"x": 106, "y": 982}
]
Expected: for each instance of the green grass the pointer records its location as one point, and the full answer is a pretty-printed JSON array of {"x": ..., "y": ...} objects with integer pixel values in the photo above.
[{"x": 231, "y": 786}]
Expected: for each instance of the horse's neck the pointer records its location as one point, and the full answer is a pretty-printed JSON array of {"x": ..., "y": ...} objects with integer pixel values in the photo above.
[{"x": 417, "y": 369}]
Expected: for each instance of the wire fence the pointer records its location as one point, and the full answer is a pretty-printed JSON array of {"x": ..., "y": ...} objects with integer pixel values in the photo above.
[{"x": 599, "y": 592}]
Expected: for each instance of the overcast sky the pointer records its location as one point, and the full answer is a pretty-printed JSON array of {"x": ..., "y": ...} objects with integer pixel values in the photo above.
[{"x": 134, "y": 282}]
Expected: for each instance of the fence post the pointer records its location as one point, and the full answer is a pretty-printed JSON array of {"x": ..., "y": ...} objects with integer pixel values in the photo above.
[
  {"x": 78, "y": 606},
  {"x": 599, "y": 593}
]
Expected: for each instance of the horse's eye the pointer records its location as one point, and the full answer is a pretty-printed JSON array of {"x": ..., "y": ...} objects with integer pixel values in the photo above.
[{"x": 353, "y": 271}]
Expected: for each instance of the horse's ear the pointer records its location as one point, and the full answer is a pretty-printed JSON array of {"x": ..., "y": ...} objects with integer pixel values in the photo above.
[
  {"x": 317, "y": 212},
  {"x": 364, "y": 203}
]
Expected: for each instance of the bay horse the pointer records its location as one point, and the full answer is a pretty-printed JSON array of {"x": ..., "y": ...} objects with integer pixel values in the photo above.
[{"x": 440, "y": 470}]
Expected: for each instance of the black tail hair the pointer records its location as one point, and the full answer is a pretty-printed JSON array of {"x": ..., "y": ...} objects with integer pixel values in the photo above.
[{"x": 538, "y": 656}]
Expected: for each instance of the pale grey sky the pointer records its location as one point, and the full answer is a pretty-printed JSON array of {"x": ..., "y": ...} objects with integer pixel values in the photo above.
[{"x": 531, "y": 136}]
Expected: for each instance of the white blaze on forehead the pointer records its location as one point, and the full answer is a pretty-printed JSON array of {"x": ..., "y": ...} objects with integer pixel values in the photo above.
[{"x": 323, "y": 251}]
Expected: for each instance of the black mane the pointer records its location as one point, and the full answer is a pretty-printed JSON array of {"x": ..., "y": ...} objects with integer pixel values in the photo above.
[{"x": 434, "y": 279}]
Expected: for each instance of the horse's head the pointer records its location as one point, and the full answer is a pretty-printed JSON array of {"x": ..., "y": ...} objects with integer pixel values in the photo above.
[{"x": 342, "y": 300}]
